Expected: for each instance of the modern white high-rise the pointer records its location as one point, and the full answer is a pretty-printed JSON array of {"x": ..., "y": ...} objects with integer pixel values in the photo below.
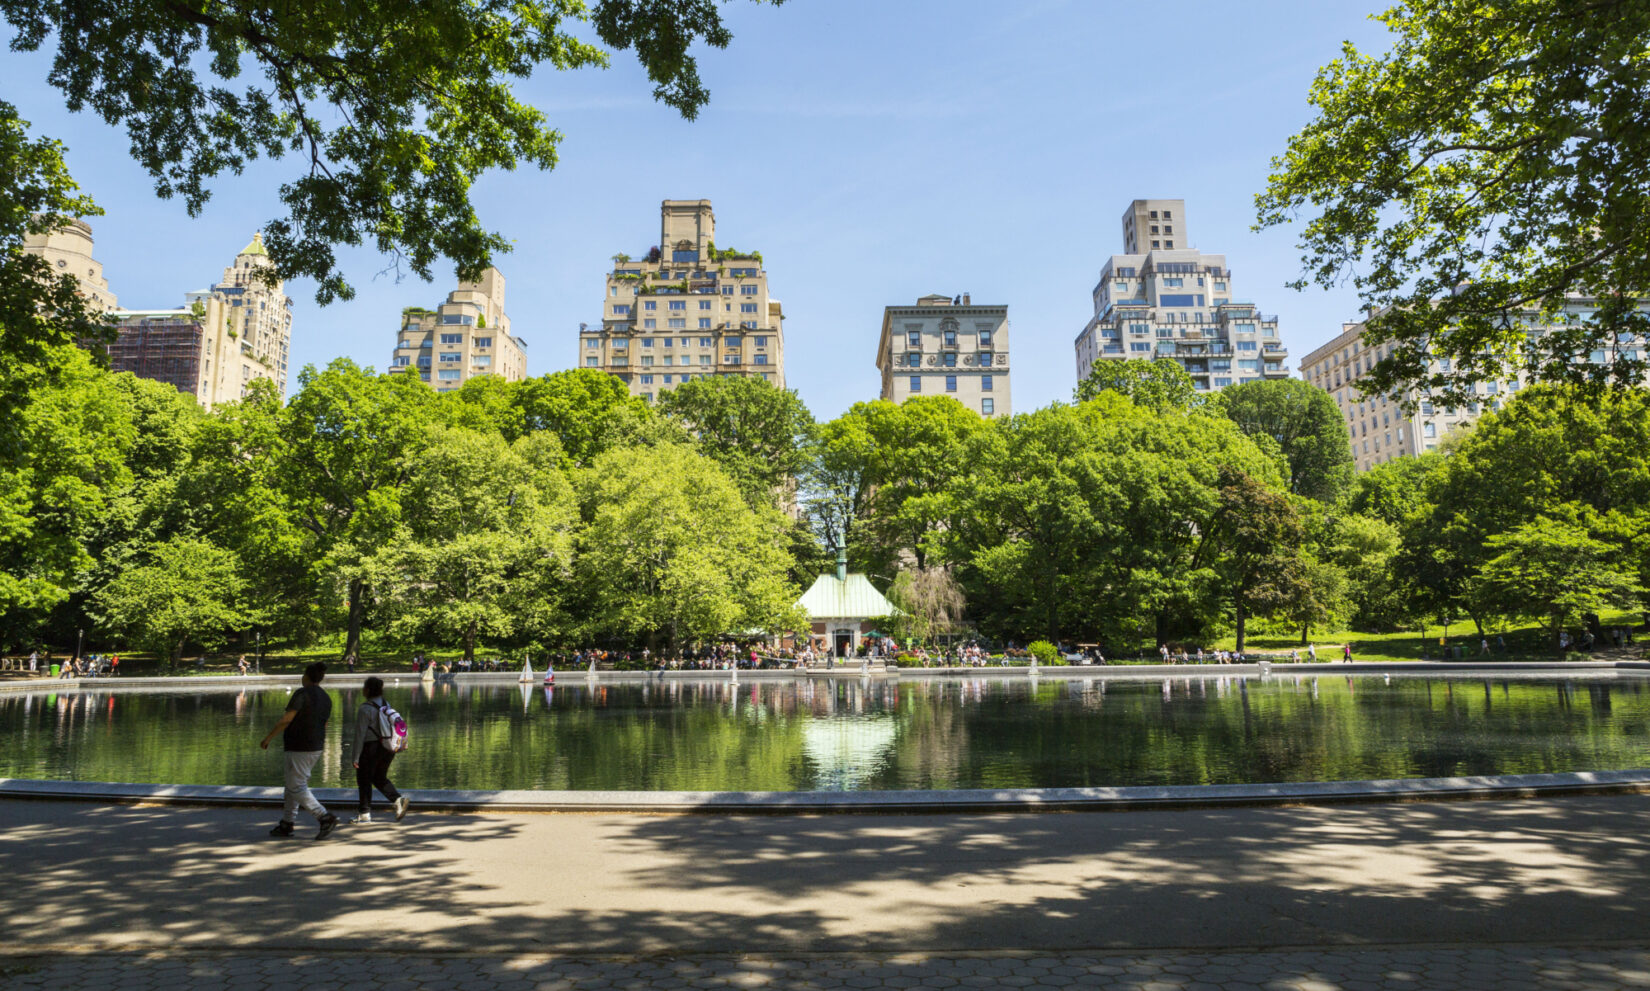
[
  {"x": 1162, "y": 298},
  {"x": 946, "y": 346}
]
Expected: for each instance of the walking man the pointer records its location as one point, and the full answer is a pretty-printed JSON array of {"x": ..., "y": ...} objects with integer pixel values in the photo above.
[{"x": 304, "y": 729}]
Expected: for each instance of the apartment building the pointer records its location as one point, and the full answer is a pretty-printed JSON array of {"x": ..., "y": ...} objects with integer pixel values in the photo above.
[
  {"x": 466, "y": 336},
  {"x": 947, "y": 346},
  {"x": 1162, "y": 298},
  {"x": 1377, "y": 426},
  {"x": 687, "y": 309},
  {"x": 213, "y": 346}
]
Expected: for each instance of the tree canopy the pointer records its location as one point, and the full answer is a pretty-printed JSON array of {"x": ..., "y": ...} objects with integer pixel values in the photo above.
[
  {"x": 391, "y": 110},
  {"x": 1307, "y": 425},
  {"x": 1490, "y": 167}
]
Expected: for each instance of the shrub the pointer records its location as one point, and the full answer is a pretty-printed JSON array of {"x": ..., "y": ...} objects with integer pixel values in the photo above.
[{"x": 1043, "y": 651}]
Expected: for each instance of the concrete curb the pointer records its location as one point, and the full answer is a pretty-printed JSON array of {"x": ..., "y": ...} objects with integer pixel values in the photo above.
[{"x": 883, "y": 802}]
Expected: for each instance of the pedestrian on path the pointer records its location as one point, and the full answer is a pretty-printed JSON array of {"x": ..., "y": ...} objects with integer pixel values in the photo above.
[
  {"x": 1312, "y": 652},
  {"x": 34, "y": 661},
  {"x": 1346, "y": 653},
  {"x": 373, "y": 753},
  {"x": 304, "y": 733}
]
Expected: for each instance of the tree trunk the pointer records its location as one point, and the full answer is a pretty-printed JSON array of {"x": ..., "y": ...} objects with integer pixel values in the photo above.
[
  {"x": 470, "y": 642},
  {"x": 357, "y": 605},
  {"x": 1242, "y": 618},
  {"x": 1306, "y": 633},
  {"x": 176, "y": 658}
]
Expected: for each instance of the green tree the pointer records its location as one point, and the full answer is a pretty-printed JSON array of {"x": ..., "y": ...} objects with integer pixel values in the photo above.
[
  {"x": 1552, "y": 569},
  {"x": 931, "y": 600},
  {"x": 1488, "y": 166},
  {"x": 349, "y": 441},
  {"x": 42, "y": 313},
  {"x": 188, "y": 591},
  {"x": 70, "y": 460},
  {"x": 392, "y": 110},
  {"x": 670, "y": 551},
  {"x": 486, "y": 546},
  {"x": 1160, "y": 385},
  {"x": 588, "y": 410},
  {"x": 1306, "y": 424},
  {"x": 1253, "y": 544},
  {"x": 753, "y": 429}
]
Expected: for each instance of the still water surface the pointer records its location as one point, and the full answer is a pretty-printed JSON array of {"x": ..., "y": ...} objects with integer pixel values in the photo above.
[{"x": 853, "y": 735}]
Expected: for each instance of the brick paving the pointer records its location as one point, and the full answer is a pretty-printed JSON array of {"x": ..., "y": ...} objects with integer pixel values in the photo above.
[{"x": 1489, "y": 968}]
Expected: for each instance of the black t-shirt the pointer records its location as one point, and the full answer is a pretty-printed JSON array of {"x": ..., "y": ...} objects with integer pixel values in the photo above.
[{"x": 308, "y": 729}]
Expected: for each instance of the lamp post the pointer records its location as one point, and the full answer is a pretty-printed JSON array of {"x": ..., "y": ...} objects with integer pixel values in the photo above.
[
  {"x": 258, "y": 640},
  {"x": 79, "y": 637}
]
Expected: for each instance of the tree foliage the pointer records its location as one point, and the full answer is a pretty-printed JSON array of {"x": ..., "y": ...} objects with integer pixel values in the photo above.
[
  {"x": 1160, "y": 385},
  {"x": 391, "y": 110},
  {"x": 189, "y": 590},
  {"x": 1553, "y": 570},
  {"x": 753, "y": 429},
  {"x": 1493, "y": 163},
  {"x": 1307, "y": 425}
]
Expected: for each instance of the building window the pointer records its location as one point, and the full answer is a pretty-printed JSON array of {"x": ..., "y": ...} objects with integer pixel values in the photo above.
[
  {"x": 647, "y": 342},
  {"x": 621, "y": 309},
  {"x": 1169, "y": 246},
  {"x": 678, "y": 323},
  {"x": 451, "y": 356},
  {"x": 704, "y": 323},
  {"x": 1429, "y": 430},
  {"x": 704, "y": 359},
  {"x": 747, "y": 290},
  {"x": 449, "y": 374},
  {"x": 985, "y": 383},
  {"x": 678, "y": 304},
  {"x": 727, "y": 290},
  {"x": 647, "y": 380},
  {"x": 650, "y": 305},
  {"x": 760, "y": 359},
  {"x": 1174, "y": 282},
  {"x": 913, "y": 339},
  {"x": 592, "y": 362},
  {"x": 988, "y": 406},
  {"x": 951, "y": 383},
  {"x": 482, "y": 360},
  {"x": 647, "y": 359},
  {"x": 704, "y": 342},
  {"x": 682, "y": 257},
  {"x": 761, "y": 342},
  {"x": 747, "y": 307},
  {"x": 591, "y": 342},
  {"x": 482, "y": 342},
  {"x": 704, "y": 304},
  {"x": 916, "y": 383},
  {"x": 649, "y": 323},
  {"x": 730, "y": 359},
  {"x": 1156, "y": 245},
  {"x": 452, "y": 338},
  {"x": 1140, "y": 346},
  {"x": 950, "y": 338},
  {"x": 731, "y": 342},
  {"x": 951, "y": 359},
  {"x": 985, "y": 338}
]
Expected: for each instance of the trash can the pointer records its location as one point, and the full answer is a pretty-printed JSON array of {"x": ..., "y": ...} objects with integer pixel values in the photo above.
[{"x": 56, "y": 670}]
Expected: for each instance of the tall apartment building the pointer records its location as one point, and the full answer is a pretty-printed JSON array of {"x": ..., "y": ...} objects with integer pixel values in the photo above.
[
  {"x": 686, "y": 310},
  {"x": 1377, "y": 426},
  {"x": 1163, "y": 299},
  {"x": 69, "y": 250},
  {"x": 466, "y": 336},
  {"x": 946, "y": 346},
  {"x": 213, "y": 346}
]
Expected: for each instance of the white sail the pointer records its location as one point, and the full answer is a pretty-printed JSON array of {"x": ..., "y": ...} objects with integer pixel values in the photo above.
[{"x": 526, "y": 672}]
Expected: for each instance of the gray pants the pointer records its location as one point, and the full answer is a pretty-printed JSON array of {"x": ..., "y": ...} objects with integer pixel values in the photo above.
[{"x": 299, "y": 764}]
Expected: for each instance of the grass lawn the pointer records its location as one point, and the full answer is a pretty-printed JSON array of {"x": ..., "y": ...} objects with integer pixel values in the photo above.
[{"x": 1527, "y": 643}]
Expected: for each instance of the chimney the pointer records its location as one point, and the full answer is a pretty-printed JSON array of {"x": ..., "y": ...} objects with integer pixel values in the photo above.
[
  {"x": 965, "y": 299},
  {"x": 842, "y": 564}
]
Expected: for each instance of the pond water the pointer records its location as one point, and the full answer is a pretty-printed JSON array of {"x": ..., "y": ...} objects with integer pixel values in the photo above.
[{"x": 848, "y": 735}]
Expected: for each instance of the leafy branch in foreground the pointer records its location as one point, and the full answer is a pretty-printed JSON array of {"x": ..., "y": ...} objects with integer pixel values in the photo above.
[
  {"x": 393, "y": 109},
  {"x": 1490, "y": 168}
]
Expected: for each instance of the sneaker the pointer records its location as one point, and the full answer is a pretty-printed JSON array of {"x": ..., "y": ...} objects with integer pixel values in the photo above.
[
  {"x": 329, "y": 822},
  {"x": 282, "y": 828},
  {"x": 364, "y": 819},
  {"x": 401, "y": 804}
]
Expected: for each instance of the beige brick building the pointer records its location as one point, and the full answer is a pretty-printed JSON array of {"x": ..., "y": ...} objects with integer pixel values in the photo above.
[
  {"x": 1163, "y": 299},
  {"x": 212, "y": 347},
  {"x": 947, "y": 346},
  {"x": 689, "y": 308},
  {"x": 467, "y": 336},
  {"x": 1377, "y": 427}
]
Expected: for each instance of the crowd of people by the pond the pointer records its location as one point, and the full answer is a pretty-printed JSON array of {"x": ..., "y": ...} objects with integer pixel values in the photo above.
[{"x": 875, "y": 649}]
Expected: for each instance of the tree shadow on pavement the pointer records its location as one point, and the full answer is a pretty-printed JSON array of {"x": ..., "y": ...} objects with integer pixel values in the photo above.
[{"x": 1567, "y": 870}]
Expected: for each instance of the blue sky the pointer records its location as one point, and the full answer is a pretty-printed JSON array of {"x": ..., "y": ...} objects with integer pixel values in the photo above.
[{"x": 873, "y": 150}]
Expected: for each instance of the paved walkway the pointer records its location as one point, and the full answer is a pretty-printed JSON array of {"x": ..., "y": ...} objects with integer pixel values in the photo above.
[
  {"x": 1505, "y": 895},
  {"x": 1533, "y": 968}
]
